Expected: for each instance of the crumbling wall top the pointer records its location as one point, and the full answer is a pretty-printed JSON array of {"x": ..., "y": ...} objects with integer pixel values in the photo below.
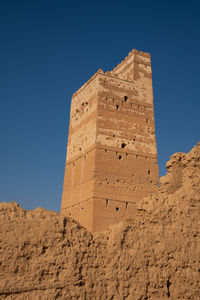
[
  {"x": 131, "y": 53},
  {"x": 113, "y": 72}
]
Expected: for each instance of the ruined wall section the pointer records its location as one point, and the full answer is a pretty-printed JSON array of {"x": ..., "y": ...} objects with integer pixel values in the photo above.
[
  {"x": 136, "y": 65},
  {"x": 126, "y": 166},
  {"x": 123, "y": 118},
  {"x": 79, "y": 170},
  {"x": 82, "y": 127},
  {"x": 137, "y": 68}
]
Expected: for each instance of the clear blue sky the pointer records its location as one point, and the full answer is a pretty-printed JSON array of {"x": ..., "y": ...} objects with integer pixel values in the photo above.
[{"x": 50, "y": 48}]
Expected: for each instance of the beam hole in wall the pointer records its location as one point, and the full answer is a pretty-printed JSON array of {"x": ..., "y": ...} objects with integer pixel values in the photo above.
[
  {"x": 123, "y": 145},
  {"x": 126, "y": 204},
  {"x": 149, "y": 172},
  {"x": 69, "y": 214},
  {"x": 117, "y": 209},
  {"x": 105, "y": 150},
  {"x": 106, "y": 202},
  {"x": 119, "y": 157},
  {"x": 125, "y": 98},
  {"x": 117, "y": 107},
  {"x": 146, "y": 120},
  {"x": 82, "y": 208}
]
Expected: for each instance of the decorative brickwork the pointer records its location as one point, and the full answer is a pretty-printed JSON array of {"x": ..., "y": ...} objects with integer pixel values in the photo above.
[{"x": 111, "y": 154}]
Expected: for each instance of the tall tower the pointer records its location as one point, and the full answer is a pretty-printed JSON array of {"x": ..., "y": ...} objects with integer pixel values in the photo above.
[{"x": 111, "y": 153}]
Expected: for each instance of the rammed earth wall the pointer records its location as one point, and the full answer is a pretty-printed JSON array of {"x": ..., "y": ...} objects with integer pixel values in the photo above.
[{"x": 111, "y": 155}]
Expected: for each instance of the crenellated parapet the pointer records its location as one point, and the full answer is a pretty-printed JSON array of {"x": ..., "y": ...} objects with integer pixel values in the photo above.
[
  {"x": 87, "y": 82},
  {"x": 135, "y": 56}
]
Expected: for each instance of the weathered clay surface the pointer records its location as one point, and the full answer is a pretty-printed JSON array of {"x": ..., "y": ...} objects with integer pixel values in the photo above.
[
  {"x": 111, "y": 153},
  {"x": 156, "y": 255}
]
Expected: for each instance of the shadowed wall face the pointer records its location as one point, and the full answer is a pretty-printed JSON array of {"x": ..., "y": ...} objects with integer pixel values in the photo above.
[{"x": 111, "y": 155}]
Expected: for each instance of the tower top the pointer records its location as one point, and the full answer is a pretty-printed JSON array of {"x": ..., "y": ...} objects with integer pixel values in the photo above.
[{"x": 134, "y": 57}]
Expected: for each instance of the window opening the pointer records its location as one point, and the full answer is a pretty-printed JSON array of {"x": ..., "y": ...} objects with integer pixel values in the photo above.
[{"x": 123, "y": 145}]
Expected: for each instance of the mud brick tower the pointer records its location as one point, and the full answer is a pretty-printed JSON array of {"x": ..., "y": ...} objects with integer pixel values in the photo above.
[{"x": 111, "y": 154}]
